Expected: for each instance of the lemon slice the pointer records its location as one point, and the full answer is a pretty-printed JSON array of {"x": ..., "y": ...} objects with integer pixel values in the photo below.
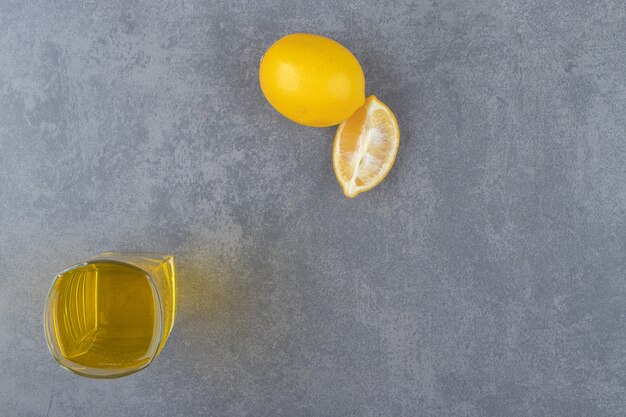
[{"x": 365, "y": 147}]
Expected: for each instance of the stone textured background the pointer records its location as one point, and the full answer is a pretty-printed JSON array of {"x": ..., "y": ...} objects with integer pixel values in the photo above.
[{"x": 484, "y": 277}]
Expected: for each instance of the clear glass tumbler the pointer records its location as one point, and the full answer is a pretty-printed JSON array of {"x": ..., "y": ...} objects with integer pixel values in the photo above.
[{"x": 110, "y": 315}]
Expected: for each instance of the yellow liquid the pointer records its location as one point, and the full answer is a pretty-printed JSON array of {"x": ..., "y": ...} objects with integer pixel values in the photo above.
[{"x": 105, "y": 316}]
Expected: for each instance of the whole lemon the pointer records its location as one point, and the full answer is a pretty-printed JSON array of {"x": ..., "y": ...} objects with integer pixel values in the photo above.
[{"x": 312, "y": 80}]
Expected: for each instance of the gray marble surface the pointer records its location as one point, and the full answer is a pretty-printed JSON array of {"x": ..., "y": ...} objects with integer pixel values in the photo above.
[{"x": 484, "y": 277}]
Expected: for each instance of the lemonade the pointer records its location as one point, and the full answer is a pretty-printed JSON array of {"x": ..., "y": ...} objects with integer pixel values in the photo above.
[{"x": 110, "y": 317}]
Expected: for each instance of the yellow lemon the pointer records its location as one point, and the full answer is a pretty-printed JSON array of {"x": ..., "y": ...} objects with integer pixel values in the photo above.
[
  {"x": 312, "y": 80},
  {"x": 365, "y": 147}
]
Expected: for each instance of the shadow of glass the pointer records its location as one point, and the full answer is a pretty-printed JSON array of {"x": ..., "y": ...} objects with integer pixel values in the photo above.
[{"x": 217, "y": 312}]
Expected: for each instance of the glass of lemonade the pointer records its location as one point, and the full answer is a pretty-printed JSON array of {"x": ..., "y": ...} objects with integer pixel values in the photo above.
[{"x": 110, "y": 315}]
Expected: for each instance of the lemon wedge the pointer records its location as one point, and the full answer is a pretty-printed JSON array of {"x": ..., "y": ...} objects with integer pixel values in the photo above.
[{"x": 365, "y": 147}]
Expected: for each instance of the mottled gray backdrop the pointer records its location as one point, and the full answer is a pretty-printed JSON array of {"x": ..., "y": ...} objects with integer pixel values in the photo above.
[{"x": 484, "y": 277}]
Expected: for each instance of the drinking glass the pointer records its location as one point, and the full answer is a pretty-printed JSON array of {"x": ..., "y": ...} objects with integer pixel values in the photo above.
[{"x": 110, "y": 315}]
